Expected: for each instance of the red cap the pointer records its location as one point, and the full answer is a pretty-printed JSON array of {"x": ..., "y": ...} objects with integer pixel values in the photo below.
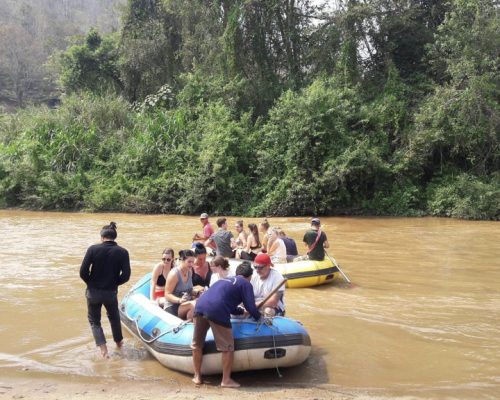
[{"x": 262, "y": 259}]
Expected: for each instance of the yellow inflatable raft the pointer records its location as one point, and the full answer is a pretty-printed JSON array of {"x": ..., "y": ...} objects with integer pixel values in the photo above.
[{"x": 308, "y": 273}]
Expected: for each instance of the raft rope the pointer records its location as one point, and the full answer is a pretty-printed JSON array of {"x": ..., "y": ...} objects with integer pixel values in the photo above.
[{"x": 268, "y": 321}]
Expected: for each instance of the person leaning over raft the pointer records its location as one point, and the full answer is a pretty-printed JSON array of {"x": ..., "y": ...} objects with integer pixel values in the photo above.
[
  {"x": 159, "y": 276},
  {"x": 105, "y": 267},
  {"x": 316, "y": 241},
  {"x": 213, "y": 310}
]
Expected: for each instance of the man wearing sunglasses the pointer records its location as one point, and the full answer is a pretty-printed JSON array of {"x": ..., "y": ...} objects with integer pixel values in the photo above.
[{"x": 264, "y": 281}]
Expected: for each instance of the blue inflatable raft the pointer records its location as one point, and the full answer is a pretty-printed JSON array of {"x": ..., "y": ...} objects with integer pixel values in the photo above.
[{"x": 279, "y": 342}]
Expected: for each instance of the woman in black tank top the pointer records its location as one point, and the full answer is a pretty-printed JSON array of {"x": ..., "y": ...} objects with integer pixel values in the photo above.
[{"x": 159, "y": 276}]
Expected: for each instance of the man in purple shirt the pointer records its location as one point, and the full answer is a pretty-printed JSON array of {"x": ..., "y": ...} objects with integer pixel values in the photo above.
[{"x": 213, "y": 310}]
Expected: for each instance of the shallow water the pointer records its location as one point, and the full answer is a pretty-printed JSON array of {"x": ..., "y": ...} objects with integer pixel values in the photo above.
[{"x": 421, "y": 319}]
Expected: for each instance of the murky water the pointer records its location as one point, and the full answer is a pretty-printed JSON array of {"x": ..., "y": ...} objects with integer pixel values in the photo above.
[{"x": 422, "y": 318}]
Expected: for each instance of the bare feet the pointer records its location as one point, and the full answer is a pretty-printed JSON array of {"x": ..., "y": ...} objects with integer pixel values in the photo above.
[
  {"x": 119, "y": 344},
  {"x": 197, "y": 380},
  {"x": 104, "y": 351},
  {"x": 230, "y": 384}
]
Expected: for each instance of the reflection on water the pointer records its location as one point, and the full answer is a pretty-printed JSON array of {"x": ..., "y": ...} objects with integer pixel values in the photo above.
[{"x": 422, "y": 317}]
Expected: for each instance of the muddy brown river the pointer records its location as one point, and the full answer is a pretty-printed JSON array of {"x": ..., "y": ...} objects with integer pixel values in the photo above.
[{"x": 421, "y": 319}]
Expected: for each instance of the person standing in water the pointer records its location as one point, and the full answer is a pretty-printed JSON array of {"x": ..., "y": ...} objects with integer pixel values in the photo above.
[{"x": 105, "y": 267}]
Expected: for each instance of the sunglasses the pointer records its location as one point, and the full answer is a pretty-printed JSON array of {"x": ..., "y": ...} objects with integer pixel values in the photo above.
[
  {"x": 166, "y": 259},
  {"x": 259, "y": 267}
]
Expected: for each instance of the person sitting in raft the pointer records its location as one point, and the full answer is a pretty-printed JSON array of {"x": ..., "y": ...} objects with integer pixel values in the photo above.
[
  {"x": 159, "y": 277},
  {"x": 264, "y": 282},
  {"x": 206, "y": 233},
  {"x": 253, "y": 246},
  {"x": 291, "y": 246},
  {"x": 277, "y": 250},
  {"x": 241, "y": 239},
  {"x": 213, "y": 310},
  {"x": 265, "y": 230},
  {"x": 220, "y": 269},
  {"x": 316, "y": 241},
  {"x": 179, "y": 287},
  {"x": 201, "y": 268},
  {"x": 223, "y": 239}
]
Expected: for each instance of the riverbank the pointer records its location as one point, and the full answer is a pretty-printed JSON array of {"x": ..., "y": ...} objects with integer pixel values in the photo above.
[{"x": 52, "y": 389}]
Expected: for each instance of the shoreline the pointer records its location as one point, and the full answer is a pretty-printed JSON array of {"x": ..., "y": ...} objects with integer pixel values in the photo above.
[{"x": 110, "y": 389}]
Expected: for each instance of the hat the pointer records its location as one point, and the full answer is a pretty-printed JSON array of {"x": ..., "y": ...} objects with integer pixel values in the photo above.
[
  {"x": 204, "y": 216},
  {"x": 262, "y": 259},
  {"x": 315, "y": 221}
]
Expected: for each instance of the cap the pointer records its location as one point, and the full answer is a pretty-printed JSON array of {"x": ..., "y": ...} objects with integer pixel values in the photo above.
[
  {"x": 315, "y": 221},
  {"x": 262, "y": 259},
  {"x": 204, "y": 216}
]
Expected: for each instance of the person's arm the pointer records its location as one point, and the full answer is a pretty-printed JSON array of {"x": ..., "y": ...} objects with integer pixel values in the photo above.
[
  {"x": 273, "y": 301},
  {"x": 208, "y": 242},
  {"x": 273, "y": 248},
  {"x": 85, "y": 267},
  {"x": 125, "y": 272},
  {"x": 243, "y": 239},
  {"x": 325, "y": 243},
  {"x": 154, "y": 278}
]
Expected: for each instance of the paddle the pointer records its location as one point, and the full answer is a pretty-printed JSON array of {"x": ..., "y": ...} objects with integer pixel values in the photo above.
[
  {"x": 272, "y": 293},
  {"x": 338, "y": 267}
]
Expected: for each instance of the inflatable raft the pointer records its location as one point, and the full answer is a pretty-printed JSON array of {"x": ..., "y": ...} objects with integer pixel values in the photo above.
[
  {"x": 306, "y": 273},
  {"x": 279, "y": 342}
]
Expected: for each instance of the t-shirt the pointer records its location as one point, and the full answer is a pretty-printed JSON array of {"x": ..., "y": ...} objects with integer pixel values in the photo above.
[
  {"x": 291, "y": 246},
  {"x": 222, "y": 299},
  {"x": 262, "y": 287},
  {"x": 208, "y": 231},
  {"x": 222, "y": 239},
  {"x": 318, "y": 253}
]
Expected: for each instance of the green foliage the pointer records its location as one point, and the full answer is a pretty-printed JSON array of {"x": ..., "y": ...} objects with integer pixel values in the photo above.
[
  {"x": 465, "y": 196},
  {"x": 240, "y": 107},
  {"x": 91, "y": 66}
]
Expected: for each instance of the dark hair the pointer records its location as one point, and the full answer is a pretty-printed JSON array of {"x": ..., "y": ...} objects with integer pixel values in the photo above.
[
  {"x": 168, "y": 250},
  {"x": 239, "y": 223},
  {"x": 221, "y": 221},
  {"x": 183, "y": 254},
  {"x": 255, "y": 232},
  {"x": 220, "y": 261},
  {"x": 109, "y": 231},
  {"x": 245, "y": 269},
  {"x": 265, "y": 223},
  {"x": 199, "y": 248}
]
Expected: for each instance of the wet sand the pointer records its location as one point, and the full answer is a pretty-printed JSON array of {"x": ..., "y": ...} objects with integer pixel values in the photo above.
[{"x": 42, "y": 388}]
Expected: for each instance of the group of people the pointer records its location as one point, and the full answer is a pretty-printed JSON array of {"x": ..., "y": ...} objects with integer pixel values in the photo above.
[
  {"x": 207, "y": 292},
  {"x": 246, "y": 245}
]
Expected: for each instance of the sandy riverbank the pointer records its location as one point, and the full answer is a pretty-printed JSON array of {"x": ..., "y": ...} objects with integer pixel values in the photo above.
[{"x": 37, "y": 388}]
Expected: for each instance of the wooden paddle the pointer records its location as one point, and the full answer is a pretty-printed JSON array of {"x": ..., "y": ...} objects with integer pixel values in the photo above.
[{"x": 272, "y": 293}]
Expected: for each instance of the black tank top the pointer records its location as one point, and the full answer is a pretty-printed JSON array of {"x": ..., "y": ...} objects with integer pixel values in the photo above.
[{"x": 161, "y": 281}]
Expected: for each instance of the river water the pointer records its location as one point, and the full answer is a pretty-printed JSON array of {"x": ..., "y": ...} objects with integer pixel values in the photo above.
[{"x": 421, "y": 319}]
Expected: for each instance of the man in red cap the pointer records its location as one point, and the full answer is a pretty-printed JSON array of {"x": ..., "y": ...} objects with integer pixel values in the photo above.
[{"x": 264, "y": 282}]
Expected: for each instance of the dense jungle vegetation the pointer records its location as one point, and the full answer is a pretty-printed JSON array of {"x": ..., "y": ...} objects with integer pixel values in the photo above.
[{"x": 268, "y": 107}]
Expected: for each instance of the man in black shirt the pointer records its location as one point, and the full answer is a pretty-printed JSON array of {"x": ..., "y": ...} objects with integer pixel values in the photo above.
[
  {"x": 105, "y": 267},
  {"x": 316, "y": 241}
]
